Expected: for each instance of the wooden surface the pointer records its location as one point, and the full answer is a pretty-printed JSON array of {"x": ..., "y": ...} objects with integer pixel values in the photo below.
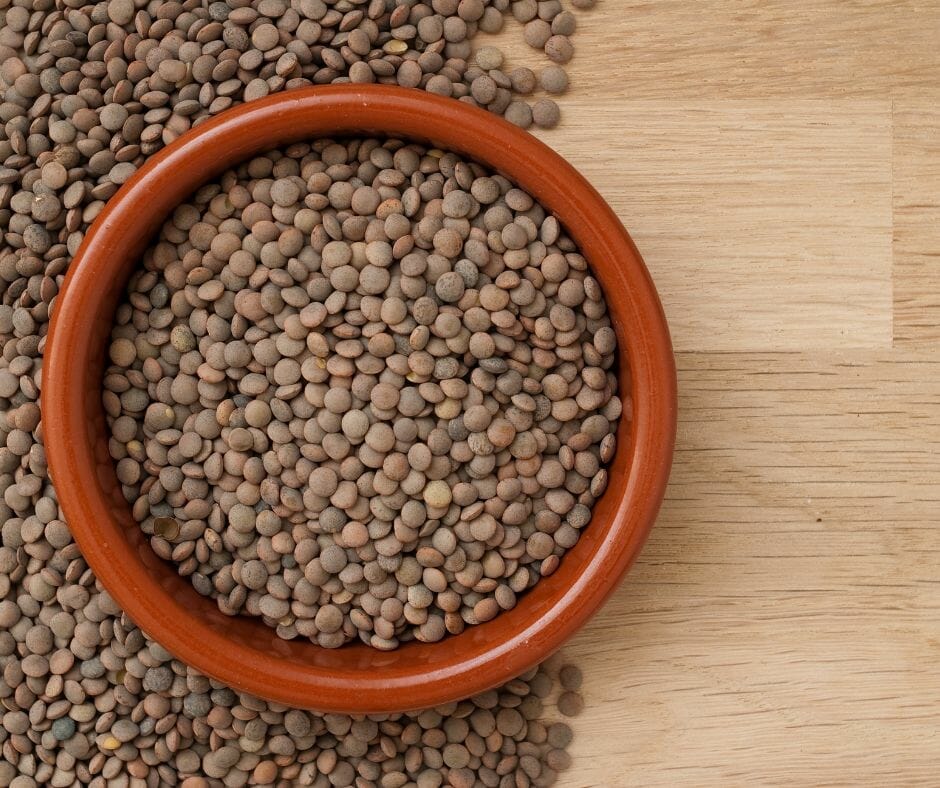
[{"x": 778, "y": 164}]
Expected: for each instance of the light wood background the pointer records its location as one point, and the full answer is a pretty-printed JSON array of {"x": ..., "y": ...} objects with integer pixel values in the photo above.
[{"x": 778, "y": 165}]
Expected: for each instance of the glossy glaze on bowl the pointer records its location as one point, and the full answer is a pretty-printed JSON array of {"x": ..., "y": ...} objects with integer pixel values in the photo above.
[{"x": 245, "y": 653}]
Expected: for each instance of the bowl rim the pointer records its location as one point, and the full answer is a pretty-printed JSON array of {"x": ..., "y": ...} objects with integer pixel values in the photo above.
[{"x": 128, "y": 222}]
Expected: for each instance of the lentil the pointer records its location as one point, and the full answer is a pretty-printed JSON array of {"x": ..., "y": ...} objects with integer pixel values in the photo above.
[{"x": 321, "y": 486}]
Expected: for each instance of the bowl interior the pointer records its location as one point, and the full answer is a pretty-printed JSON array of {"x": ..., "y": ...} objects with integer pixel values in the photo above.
[{"x": 242, "y": 651}]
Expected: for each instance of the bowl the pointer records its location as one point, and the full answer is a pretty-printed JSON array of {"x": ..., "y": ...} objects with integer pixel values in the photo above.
[{"x": 244, "y": 652}]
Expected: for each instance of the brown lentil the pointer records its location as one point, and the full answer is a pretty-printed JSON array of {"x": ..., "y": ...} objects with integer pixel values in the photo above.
[{"x": 319, "y": 480}]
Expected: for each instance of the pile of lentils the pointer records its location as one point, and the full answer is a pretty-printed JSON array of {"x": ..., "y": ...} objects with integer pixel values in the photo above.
[
  {"x": 364, "y": 390},
  {"x": 87, "y": 92},
  {"x": 112, "y": 709},
  {"x": 132, "y": 76}
]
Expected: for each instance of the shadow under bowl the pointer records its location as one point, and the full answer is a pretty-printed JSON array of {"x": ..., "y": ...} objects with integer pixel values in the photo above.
[{"x": 244, "y": 652}]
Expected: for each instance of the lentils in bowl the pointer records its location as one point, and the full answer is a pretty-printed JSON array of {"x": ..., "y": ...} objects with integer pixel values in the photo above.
[{"x": 364, "y": 390}]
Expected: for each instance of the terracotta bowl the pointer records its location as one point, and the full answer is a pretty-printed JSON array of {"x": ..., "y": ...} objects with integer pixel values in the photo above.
[{"x": 244, "y": 652}]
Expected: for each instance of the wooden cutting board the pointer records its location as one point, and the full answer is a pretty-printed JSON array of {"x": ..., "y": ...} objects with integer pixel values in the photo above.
[{"x": 778, "y": 165}]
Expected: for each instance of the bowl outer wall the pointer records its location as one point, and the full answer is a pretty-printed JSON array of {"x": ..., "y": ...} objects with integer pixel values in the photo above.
[{"x": 244, "y": 652}]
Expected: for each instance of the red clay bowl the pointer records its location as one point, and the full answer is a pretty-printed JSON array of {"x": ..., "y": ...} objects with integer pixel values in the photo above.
[{"x": 244, "y": 652}]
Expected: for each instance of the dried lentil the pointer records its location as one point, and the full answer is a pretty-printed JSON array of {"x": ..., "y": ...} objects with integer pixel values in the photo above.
[{"x": 431, "y": 392}]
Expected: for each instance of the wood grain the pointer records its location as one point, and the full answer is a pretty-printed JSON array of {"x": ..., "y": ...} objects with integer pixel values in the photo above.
[
  {"x": 917, "y": 222},
  {"x": 779, "y": 167},
  {"x": 772, "y": 217},
  {"x": 782, "y": 625}
]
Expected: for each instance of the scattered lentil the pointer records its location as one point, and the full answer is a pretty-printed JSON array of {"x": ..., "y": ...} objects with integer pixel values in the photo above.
[
  {"x": 545, "y": 113},
  {"x": 570, "y": 677},
  {"x": 571, "y": 704},
  {"x": 519, "y": 113},
  {"x": 559, "y": 49},
  {"x": 553, "y": 79}
]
